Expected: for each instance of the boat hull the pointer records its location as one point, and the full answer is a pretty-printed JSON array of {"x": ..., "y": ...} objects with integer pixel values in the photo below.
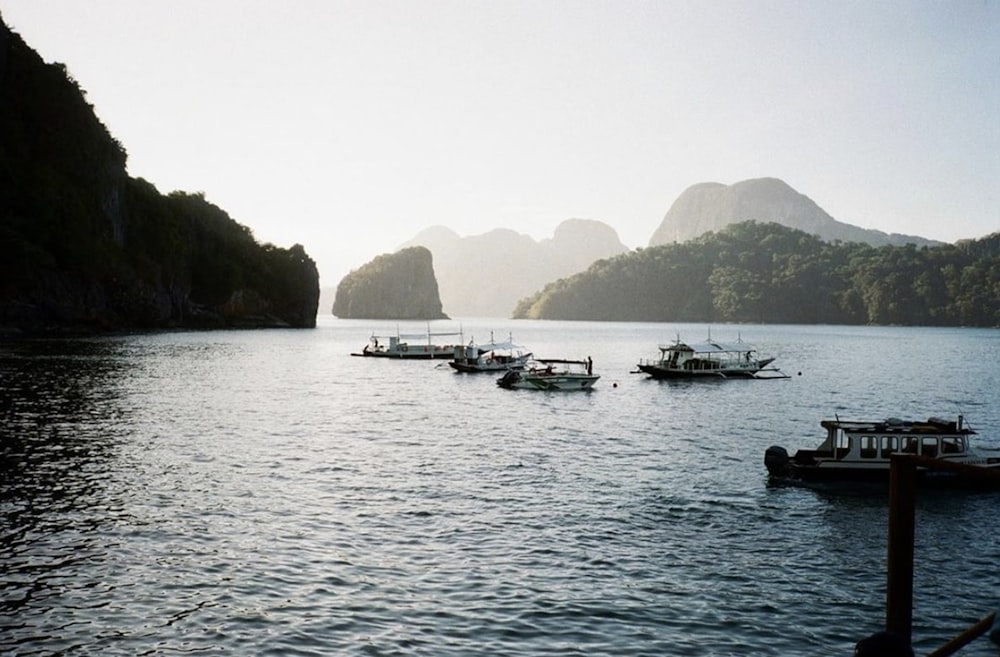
[
  {"x": 409, "y": 352},
  {"x": 947, "y": 463},
  {"x": 480, "y": 369},
  {"x": 548, "y": 382},
  {"x": 989, "y": 479},
  {"x": 664, "y": 372},
  {"x": 707, "y": 360},
  {"x": 494, "y": 365},
  {"x": 412, "y": 353}
]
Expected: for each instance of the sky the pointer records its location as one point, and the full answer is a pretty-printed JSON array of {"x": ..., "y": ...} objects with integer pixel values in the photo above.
[{"x": 348, "y": 126}]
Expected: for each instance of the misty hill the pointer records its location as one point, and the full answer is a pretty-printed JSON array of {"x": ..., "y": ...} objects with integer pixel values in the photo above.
[
  {"x": 485, "y": 275},
  {"x": 751, "y": 272},
  {"x": 713, "y": 206},
  {"x": 85, "y": 247},
  {"x": 399, "y": 285}
]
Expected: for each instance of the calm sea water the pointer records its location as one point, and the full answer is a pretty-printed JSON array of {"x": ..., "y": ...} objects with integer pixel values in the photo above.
[{"x": 264, "y": 493}]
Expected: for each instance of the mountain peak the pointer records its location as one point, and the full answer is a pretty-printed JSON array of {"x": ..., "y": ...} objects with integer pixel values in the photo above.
[
  {"x": 711, "y": 206},
  {"x": 485, "y": 275}
]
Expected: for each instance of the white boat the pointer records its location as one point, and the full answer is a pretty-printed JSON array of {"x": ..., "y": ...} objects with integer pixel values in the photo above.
[
  {"x": 859, "y": 452},
  {"x": 490, "y": 357},
  {"x": 551, "y": 374},
  {"x": 709, "y": 359},
  {"x": 408, "y": 346}
]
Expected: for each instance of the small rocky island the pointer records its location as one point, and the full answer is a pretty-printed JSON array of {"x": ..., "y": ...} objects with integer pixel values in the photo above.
[
  {"x": 86, "y": 248},
  {"x": 398, "y": 285}
]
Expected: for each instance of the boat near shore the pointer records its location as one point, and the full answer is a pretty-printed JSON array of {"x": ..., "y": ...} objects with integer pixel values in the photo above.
[
  {"x": 709, "y": 360},
  {"x": 862, "y": 452}
]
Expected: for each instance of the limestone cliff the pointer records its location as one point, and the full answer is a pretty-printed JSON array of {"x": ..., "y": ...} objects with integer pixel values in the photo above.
[
  {"x": 400, "y": 285},
  {"x": 84, "y": 247},
  {"x": 712, "y": 206},
  {"x": 485, "y": 275}
]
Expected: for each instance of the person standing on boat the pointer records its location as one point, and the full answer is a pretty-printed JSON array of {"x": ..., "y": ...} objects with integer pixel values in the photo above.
[{"x": 590, "y": 365}]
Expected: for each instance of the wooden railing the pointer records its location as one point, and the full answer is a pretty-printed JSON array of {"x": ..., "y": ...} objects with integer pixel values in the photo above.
[
  {"x": 899, "y": 567},
  {"x": 965, "y": 638}
]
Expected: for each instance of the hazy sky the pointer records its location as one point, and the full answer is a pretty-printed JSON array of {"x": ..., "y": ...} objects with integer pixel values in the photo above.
[{"x": 349, "y": 126}]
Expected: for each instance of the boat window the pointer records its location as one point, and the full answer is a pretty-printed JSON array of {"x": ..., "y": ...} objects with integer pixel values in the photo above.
[
  {"x": 843, "y": 440},
  {"x": 952, "y": 445},
  {"x": 869, "y": 447},
  {"x": 911, "y": 444},
  {"x": 929, "y": 446},
  {"x": 844, "y": 445},
  {"x": 890, "y": 445}
]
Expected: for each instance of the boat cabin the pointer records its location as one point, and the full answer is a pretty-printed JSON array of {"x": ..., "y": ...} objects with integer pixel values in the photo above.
[
  {"x": 706, "y": 356},
  {"x": 467, "y": 354},
  {"x": 877, "y": 441}
]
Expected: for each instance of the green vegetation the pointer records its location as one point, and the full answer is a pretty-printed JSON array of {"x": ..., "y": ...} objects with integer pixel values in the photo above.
[
  {"x": 753, "y": 272},
  {"x": 84, "y": 246},
  {"x": 398, "y": 285}
]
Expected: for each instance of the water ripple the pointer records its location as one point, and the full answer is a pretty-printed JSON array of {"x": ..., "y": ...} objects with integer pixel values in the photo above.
[{"x": 266, "y": 494}]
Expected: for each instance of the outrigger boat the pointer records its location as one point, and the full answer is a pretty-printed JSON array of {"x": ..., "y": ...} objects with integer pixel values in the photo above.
[
  {"x": 551, "y": 374},
  {"x": 490, "y": 357},
  {"x": 861, "y": 452},
  {"x": 400, "y": 346},
  {"x": 708, "y": 359}
]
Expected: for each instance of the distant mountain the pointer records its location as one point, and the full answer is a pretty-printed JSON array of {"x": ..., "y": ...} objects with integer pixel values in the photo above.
[
  {"x": 485, "y": 275},
  {"x": 399, "y": 285},
  {"x": 713, "y": 206},
  {"x": 769, "y": 273},
  {"x": 86, "y": 248}
]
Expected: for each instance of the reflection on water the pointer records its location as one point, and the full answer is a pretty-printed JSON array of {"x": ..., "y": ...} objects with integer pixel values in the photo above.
[
  {"x": 265, "y": 493},
  {"x": 61, "y": 421},
  {"x": 60, "y": 433}
]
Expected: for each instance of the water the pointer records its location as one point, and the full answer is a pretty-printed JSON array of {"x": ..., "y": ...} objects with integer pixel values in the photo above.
[{"x": 264, "y": 493}]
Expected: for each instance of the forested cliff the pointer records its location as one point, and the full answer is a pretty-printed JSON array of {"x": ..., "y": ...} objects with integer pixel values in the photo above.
[
  {"x": 85, "y": 247},
  {"x": 398, "y": 285},
  {"x": 753, "y": 272}
]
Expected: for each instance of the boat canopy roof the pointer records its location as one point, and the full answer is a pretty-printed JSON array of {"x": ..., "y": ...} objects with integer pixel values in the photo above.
[
  {"x": 416, "y": 336},
  {"x": 708, "y": 347},
  {"x": 503, "y": 346},
  {"x": 894, "y": 425}
]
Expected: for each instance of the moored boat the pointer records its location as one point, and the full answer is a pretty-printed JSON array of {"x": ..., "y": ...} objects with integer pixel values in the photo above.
[
  {"x": 861, "y": 452},
  {"x": 408, "y": 346},
  {"x": 710, "y": 359},
  {"x": 490, "y": 357},
  {"x": 551, "y": 374}
]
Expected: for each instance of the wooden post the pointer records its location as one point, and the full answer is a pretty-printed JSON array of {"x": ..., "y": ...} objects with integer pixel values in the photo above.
[{"x": 899, "y": 575}]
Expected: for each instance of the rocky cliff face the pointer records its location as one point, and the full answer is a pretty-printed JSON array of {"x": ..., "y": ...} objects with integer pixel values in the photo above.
[
  {"x": 486, "y": 275},
  {"x": 400, "y": 285},
  {"x": 713, "y": 206},
  {"x": 85, "y": 247}
]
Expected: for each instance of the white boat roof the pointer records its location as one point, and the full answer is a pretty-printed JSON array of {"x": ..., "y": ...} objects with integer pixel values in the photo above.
[
  {"x": 416, "y": 336},
  {"x": 708, "y": 347},
  {"x": 490, "y": 346},
  {"x": 931, "y": 426}
]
